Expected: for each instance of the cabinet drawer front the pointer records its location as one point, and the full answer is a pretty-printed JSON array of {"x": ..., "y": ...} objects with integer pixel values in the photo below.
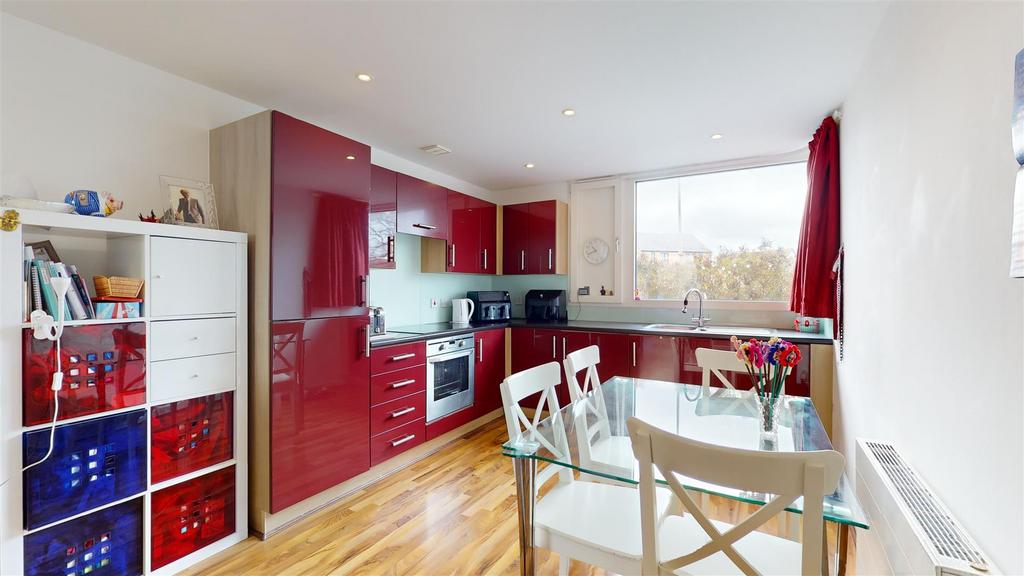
[
  {"x": 390, "y": 415},
  {"x": 187, "y": 338},
  {"x": 394, "y": 442},
  {"x": 392, "y": 385},
  {"x": 197, "y": 376},
  {"x": 397, "y": 357},
  {"x": 191, "y": 277}
]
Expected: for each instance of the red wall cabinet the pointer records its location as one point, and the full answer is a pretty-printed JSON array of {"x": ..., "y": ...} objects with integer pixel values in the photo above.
[
  {"x": 383, "y": 216},
  {"x": 489, "y": 370},
  {"x": 422, "y": 208},
  {"x": 535, "y": 238},
  {"x": 320, "y": 207},
  {"x": 488, "y": 237},
  {"x": 319, "y": 406},
  {"x": 654, "y": 357},
  {"x": 464, "y": 251}
]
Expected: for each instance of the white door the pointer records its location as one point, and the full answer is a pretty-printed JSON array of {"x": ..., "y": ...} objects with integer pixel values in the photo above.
[{"x": 191, "y": 277}]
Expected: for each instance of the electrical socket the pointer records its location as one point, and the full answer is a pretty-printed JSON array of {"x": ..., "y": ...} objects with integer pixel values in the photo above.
[{"x": 433, "y": 303}]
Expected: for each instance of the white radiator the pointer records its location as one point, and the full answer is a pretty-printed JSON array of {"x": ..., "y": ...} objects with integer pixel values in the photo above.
[{"x": 915, "y": 531}]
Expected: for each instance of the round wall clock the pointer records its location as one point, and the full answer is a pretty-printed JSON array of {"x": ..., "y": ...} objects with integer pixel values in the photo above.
[{"x": 595, "y": 250}]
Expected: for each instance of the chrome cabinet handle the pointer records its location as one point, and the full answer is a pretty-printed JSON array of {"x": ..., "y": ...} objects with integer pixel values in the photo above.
[
  {"x": 550, "y": 253},
  {"x": 402, "y": 383},
  {"x": 367, "y": 351},
  {"x": 402, "y": 440},
  {"x": 194, "y": 339},
  {"x": 485, "y": 258},
  {"x": 554, "y": 348},
  {"x": 453, "y": 255},
  {"x": 563, "y": 348},
  {"x": 480, "y": 350},
  {"x": 402, "y": 357},
  {"x": 522, "y": 260},
  {"x": 391, "y": 248},
  {"x": 634, "y": 354},
  {"x": 365, "y": 280},
  {"x": 425, "y": 226},
  {"x": 401, "y": 412}
]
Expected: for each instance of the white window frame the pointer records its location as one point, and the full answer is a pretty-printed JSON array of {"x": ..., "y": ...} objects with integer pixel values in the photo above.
[{"x": 627, "y": 184}]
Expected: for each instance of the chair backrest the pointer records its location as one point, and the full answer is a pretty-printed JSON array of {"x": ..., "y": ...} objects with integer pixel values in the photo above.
[
  {"x": 541, "y": 379},
  {"x": 790, "y": 475},
  {"x": 716, "y": 362},
  {"x": 591, "y": 413}
]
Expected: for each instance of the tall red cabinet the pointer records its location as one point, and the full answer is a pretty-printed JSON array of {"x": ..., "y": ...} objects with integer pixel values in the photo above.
[{"x": 303, "y": 195}]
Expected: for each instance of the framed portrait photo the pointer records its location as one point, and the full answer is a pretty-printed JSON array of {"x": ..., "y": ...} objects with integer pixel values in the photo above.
[{"x": 192, "y": 203}]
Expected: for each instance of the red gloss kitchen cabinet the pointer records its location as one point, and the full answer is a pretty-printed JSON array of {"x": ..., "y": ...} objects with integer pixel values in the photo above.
[
  {"x": 302, "y": 194},
  {"x": 383, "y": 216},
  {"x": 654, "y": 357},
  {"x": 489, "y": 370},
  {"x": 320, "y": 208},
  {"x": 615, "y": 354},
  {"x": 464, "y": 252},
  {"x": 319, "y": 406},
  {"x": 422, "y": 208},
  {"x": 798, "y": 382},
  {"x": 535, "y": 238},
  {"x": 488, "y": 237}
]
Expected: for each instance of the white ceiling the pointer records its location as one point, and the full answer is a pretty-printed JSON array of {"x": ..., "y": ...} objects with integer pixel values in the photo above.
[{"x": 651, "y": 81}]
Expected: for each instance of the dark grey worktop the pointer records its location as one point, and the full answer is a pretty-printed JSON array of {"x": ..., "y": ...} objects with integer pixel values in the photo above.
[{"x": 406, "y": 334}]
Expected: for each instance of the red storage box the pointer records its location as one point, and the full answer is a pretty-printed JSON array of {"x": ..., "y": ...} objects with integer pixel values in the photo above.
[
  {"x": 192, "y": 515},
  {"x": 190, "y": 435},
  {"x": 104, "y": 369}
]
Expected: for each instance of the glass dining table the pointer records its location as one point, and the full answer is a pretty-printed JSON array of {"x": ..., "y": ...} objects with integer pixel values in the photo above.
[{"x": 714, "y": 415}]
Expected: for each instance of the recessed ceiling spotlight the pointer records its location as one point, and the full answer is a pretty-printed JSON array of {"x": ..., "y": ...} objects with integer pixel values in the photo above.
[
  {"x": 716, "y": 136},
  {"x": 568, "y": 112},
  {"x": 364, "y": 77},
  {"x": 528, "y": 165},
  {"x": 350, "y": 157}
]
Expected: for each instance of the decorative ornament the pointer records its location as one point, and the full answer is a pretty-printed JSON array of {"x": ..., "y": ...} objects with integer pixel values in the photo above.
[
  {"x": 90, "y": 203},
  {"x": 151, "y": 218},
  {"x": 9, "y": 220}
]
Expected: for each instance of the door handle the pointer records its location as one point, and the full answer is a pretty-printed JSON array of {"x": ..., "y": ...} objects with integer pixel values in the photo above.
[
  {"x": 402, "y": 357},
  {"x": 402, "y": 440},
  {"x": 563, "y": 348},
  {"x": 425, "y": 226},
  {"x": 402, "y": 383},
  {"x": 365, "y": 280},
  {"x": 554, "y": 348},
  {"x": 550, "y": 255},
  {"x": 480, "y": 350},
  {"x": 485, "y": 258},
  {"x": 367, "y": 351},
  {"x": 401, "y": 412},
  {"x": 634, "y": 354},
  {"x": 453, "y": 255},
  {"x": 391, "y": 248},
  {"x": 522, "y": 260}
]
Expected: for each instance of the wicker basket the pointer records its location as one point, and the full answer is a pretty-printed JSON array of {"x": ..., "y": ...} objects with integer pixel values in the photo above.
[{"x": 117, "y": 287}]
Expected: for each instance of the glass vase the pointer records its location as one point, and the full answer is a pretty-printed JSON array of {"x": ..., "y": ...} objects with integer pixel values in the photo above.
[{"x": 768, "y": 419}]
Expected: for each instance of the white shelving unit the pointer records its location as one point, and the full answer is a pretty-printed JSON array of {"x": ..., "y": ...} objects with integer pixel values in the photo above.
[{"x": 195, "y": 303}]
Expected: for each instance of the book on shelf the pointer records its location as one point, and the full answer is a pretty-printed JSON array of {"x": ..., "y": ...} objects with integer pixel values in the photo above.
[{"x": 40, "y": 294}]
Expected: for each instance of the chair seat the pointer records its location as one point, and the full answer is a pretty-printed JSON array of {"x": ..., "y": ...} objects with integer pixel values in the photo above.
[
  {"x": 766, "y": 553},
  {"x": 615, "y": 453},
  {"x": 601, "y": 516}
]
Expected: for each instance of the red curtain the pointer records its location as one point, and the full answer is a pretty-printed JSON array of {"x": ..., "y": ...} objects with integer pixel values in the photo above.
[{"x": 814, "y": 288}]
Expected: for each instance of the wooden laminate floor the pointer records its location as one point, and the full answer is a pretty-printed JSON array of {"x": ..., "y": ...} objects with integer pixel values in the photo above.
[{"x": 451, "y": 513}]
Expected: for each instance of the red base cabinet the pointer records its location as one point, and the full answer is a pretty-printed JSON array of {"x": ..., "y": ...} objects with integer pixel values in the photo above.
[
  {"x": 614, "y": 350},
  {"x": 654, "y": 357},
  {"x": 489, "y": 370},
  {"x": 319, "y": 407}
]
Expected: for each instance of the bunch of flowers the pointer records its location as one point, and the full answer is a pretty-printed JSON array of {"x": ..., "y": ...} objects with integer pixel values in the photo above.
[{"x": 768, "y": 363}]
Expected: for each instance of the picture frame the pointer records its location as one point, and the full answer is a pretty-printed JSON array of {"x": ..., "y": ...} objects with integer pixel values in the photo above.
[
  {"x": 44, "y": 250},
  {"x": 191, "y": 202}
]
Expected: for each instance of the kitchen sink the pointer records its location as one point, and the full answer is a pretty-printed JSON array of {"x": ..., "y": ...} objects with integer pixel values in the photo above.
[{"x": 738, "y": 330}]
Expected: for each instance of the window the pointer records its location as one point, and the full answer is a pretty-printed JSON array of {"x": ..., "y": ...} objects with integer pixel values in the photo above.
[{"x": 730, "y": 234}]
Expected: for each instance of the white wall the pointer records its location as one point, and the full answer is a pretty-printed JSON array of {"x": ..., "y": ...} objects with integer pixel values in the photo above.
[
  {"x": 549, "y": 191},
  {"x": 934, "y": 327},
  {"x": 73, "y": 115}
]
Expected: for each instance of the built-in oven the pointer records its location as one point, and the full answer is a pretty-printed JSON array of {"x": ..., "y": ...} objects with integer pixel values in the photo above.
[{"x": 449, "y": 375}]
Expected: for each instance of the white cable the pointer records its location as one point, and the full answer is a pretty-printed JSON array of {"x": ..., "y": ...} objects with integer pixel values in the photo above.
[{"x": 58, "y": 377}]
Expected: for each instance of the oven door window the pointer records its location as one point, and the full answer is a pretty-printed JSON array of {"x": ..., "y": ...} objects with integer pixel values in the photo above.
[{"x": 451, "y": 377}]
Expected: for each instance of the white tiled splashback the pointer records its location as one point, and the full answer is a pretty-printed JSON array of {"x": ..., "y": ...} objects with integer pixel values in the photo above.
[{"x": 405, "y": 293}]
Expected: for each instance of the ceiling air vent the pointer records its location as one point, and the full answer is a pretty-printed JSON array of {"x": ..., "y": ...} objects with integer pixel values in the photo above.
[{"x": 436, "y": 150}]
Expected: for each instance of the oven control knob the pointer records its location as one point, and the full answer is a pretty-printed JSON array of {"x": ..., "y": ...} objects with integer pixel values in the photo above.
[
  {"x": 461, "y": 344},
  {"x": 440, "y": 347}
]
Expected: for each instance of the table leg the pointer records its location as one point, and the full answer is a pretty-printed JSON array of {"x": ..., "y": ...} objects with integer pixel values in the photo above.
[
  {"x": 525, "y": 472},
  {"x": 843, "y": 549}
]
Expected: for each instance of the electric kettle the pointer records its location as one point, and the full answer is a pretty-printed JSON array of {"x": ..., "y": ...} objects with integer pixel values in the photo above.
[{"x": 462, "y": 310}]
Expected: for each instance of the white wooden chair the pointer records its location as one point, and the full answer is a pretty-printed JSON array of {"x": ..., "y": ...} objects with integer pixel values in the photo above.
[
  {"x": 715, "y": 362},
  {"x": 571, "y": 510},
  {"x": 598, "y": 449},
  {"x": 697, "y": 545}
]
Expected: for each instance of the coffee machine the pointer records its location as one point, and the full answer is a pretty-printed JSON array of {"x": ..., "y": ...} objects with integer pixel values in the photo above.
[
  {"x": 546, "y": 306},
  {"x": 490, "y": 306}
]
